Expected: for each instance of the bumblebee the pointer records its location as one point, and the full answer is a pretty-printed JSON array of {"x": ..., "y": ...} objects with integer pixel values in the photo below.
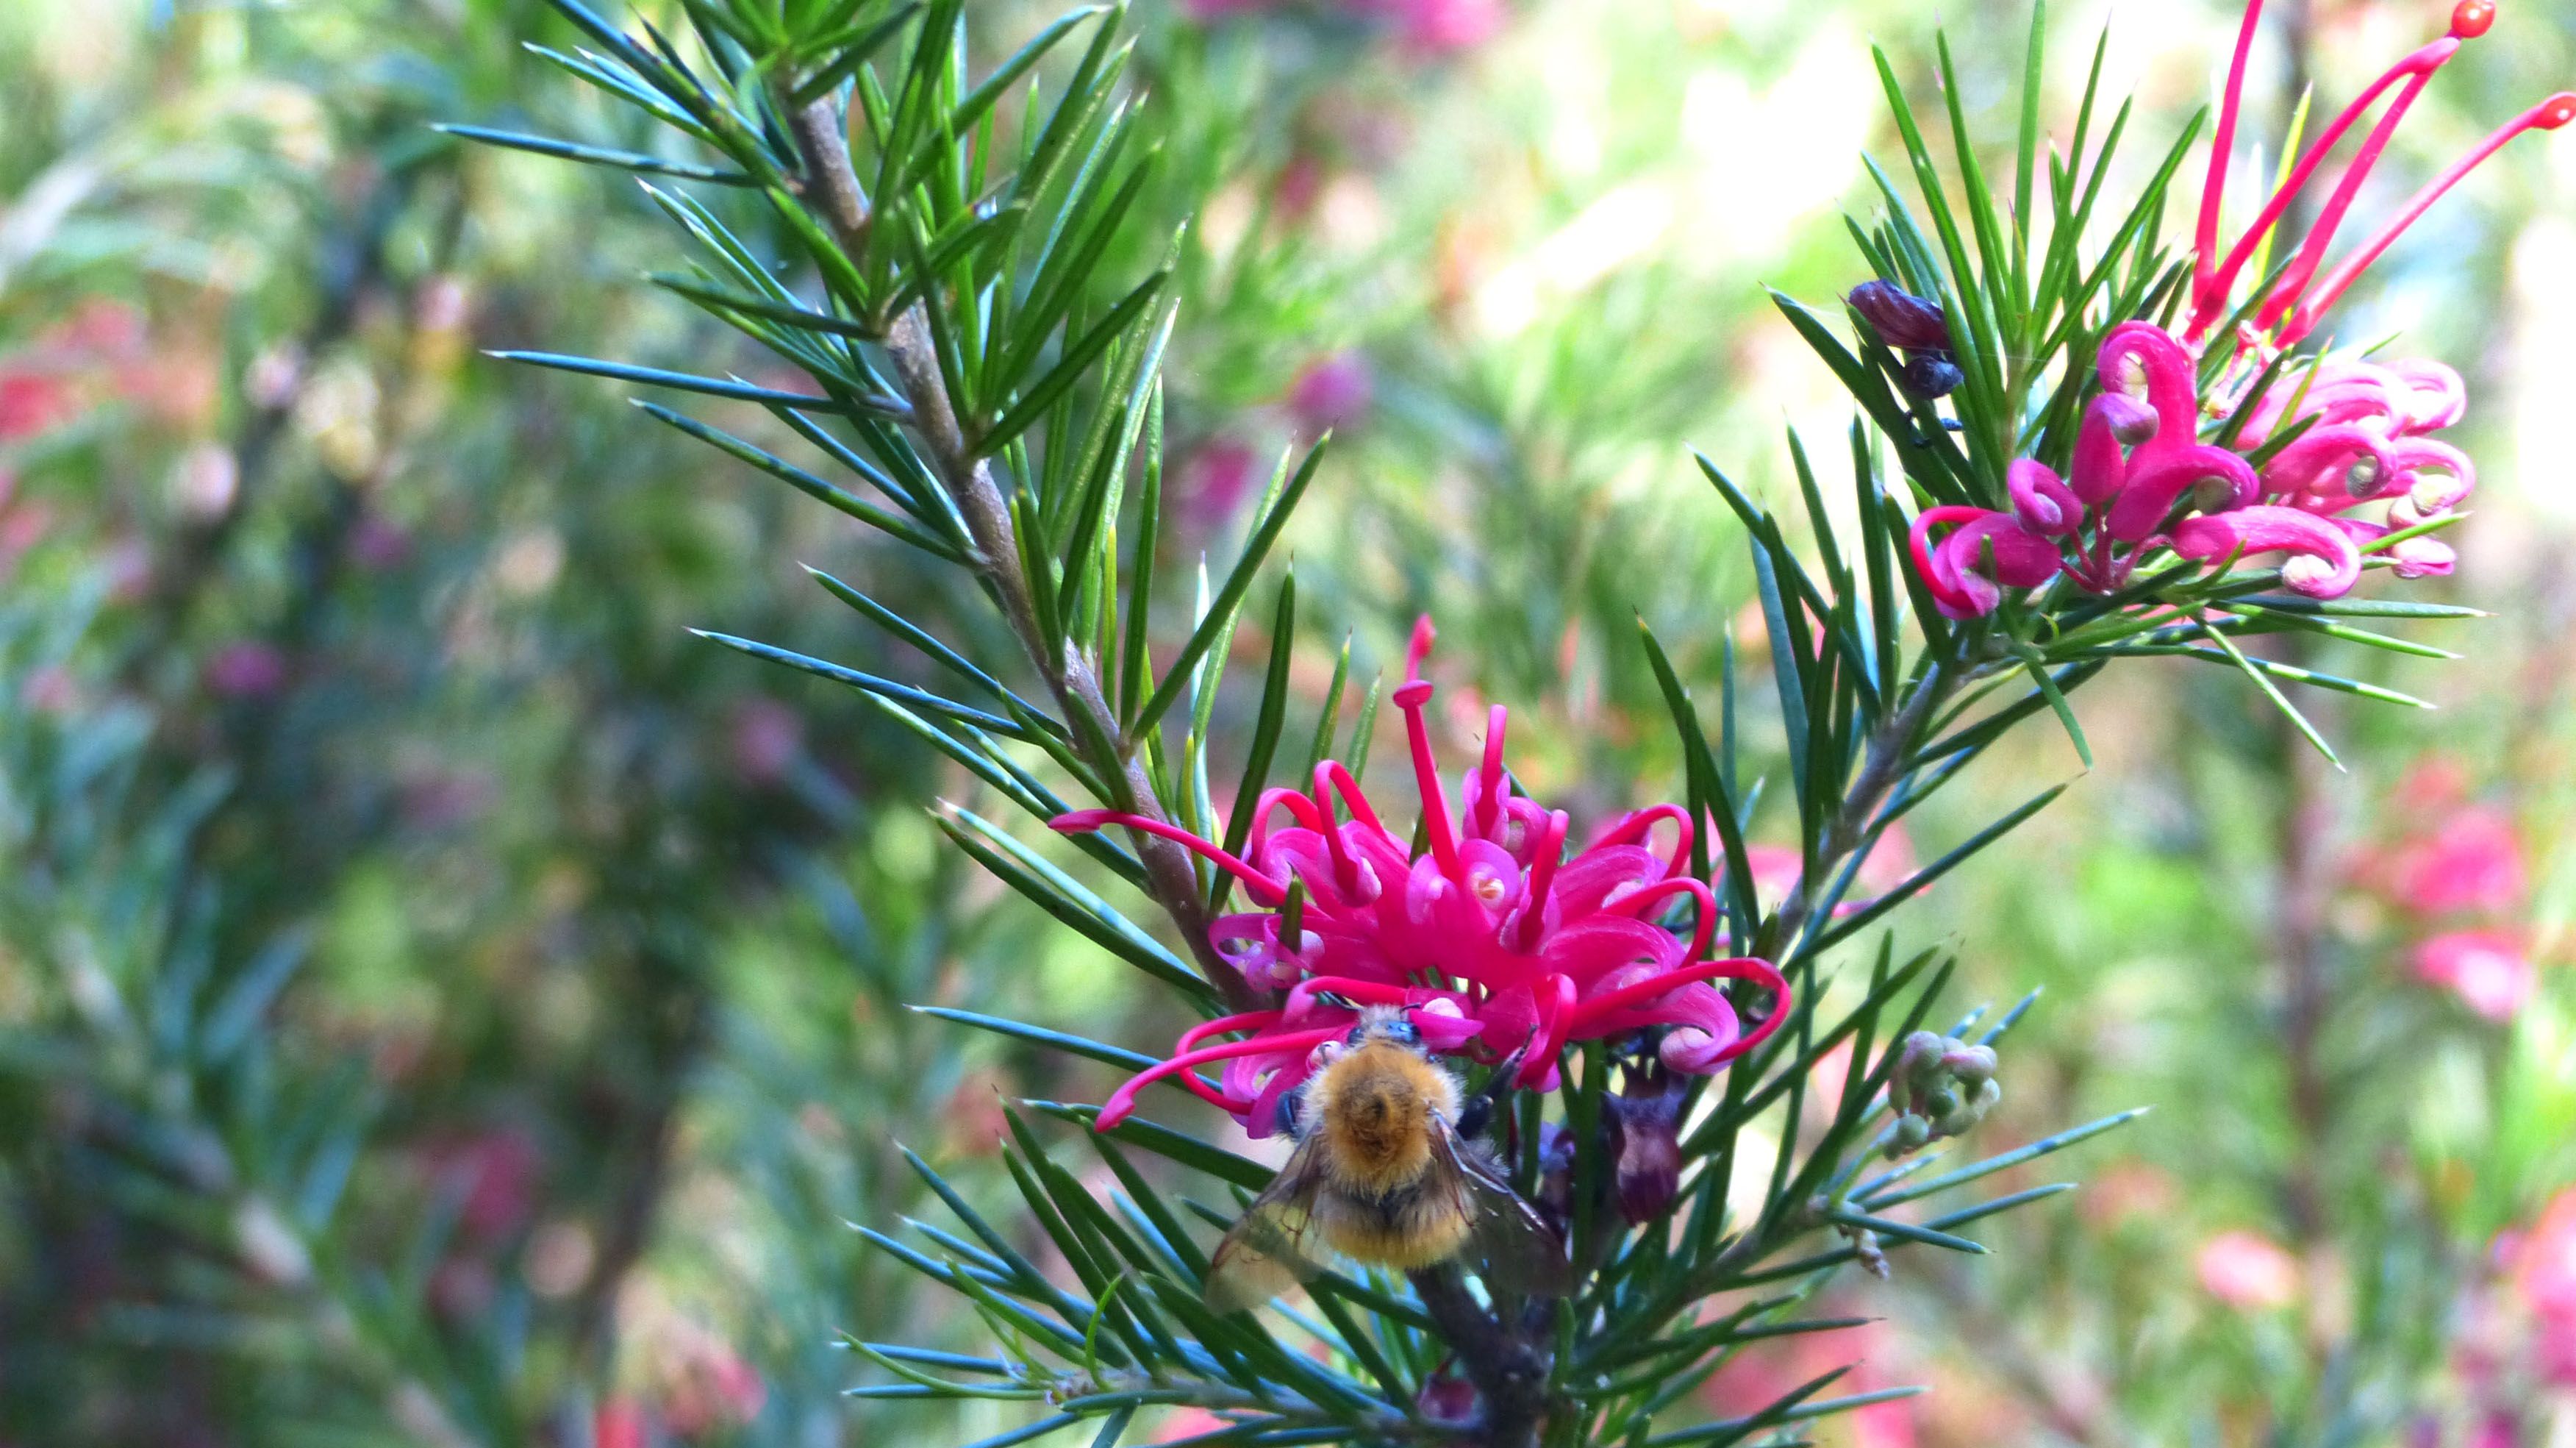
[{"x": 1384, "y": 1174}]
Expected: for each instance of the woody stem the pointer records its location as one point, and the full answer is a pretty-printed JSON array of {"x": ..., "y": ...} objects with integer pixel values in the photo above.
[{"x": 831, "y": 190}]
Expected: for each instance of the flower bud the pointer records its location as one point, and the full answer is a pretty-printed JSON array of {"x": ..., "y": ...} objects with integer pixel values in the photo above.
[
  {"x": 1912, "y": 1133},
  {"x": 1941, "y": 1087},
  {"x": 1901, "y": 319},
  {"x": 1932, "y": 374}
]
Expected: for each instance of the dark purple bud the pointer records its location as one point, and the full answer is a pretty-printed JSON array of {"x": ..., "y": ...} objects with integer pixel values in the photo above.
[
  {"x": 1645, "y": 1133},
  {"x": 1932, "y": 374},
  {"x": 1901, "y": 319}
]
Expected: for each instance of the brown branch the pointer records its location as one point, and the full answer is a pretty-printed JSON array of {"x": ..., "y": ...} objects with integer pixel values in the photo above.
[
  {"x": 829, "y": 185},
  {"x": 1509, "y": 1369}
]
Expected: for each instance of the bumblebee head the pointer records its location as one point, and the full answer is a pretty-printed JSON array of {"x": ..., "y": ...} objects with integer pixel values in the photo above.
[{"x": 1391, "y": 1024}]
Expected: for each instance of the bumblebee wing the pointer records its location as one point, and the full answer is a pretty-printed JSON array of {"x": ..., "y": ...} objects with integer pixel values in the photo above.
[
  {"x": 1269, "y": 1249},
  {"x": 1513, "y": 1247}
]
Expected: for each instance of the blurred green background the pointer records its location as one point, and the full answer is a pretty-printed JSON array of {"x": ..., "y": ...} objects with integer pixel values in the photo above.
[{"x": 444, "y": 1002}]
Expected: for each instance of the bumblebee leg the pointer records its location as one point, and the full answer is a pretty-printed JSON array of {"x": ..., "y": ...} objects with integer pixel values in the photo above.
[
  {"x": 1484, "y": 1108},
  {"x": 1292, "y": 1115}
]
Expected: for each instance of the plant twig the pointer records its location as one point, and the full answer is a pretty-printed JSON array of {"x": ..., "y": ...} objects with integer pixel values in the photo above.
[{"x": 830, "y": 185}]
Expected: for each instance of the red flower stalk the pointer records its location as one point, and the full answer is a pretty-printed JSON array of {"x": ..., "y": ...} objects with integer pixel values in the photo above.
[
  {"x": 1491, "y": 937},
  {"x": 2290, "y": 309}
]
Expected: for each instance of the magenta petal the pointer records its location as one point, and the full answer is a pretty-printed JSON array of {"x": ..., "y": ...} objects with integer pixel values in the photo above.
[
  {"x": 2326, "y": 563},
  {"x": 2438, "y": 476},
  {"x": 2041, "y": 502},
  {"x": 1590, "y": 949},
  {"x": 2158, "y": 477},
  {"x": 2171, "y": 389},
  {"x": 2438, "y": 398},
  {"x": 2333, "y": 458},
  {"x": 2422, "y": 557},
  {"x": 2022, "y": 559},
  {"x": 2113, "y": 419}
]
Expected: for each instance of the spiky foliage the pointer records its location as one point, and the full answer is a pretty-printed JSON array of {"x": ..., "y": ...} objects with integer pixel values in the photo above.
[{"x": 986, "y": 389}]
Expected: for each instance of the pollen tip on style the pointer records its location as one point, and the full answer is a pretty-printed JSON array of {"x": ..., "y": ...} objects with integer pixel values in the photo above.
[
  {"x": 2290, "y": 309},
  {"x": 1493, "y": 938}
]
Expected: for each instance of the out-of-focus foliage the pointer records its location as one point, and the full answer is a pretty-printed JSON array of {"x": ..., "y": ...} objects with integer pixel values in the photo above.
[{"x": 445, "y": 1002}]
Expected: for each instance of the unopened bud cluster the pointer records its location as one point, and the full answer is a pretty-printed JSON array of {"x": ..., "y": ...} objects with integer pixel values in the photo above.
[{"x": 1942, "y": 1087}]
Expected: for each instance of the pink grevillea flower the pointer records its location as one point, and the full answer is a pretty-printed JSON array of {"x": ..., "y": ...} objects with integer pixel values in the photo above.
[
  {"x": 1493, "y": 937},
  {"x": 2138, "y": 462},
  {"x": 2247, "y": 1271},
  {"x": 2488, "y": 970},
  {"x": 2472, "y": 861},
  {"x": 2366, "y": 442},
  {"x": 2289, "y": 310}
]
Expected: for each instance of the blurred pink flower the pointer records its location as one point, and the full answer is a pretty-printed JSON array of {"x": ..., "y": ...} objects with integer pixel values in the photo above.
[
  {"x": 2488, "y": 969},
  {"x": 619, "y": 1423},
  {"x": 1332, "y": 393},
  {"x": 1214, "y": 480},
  {"x": 712, "y": 1389},
  {"x": 1439, "y": 27},
  {"x": 2496, "y": 1428},
  {"x": 1763, "y": 1373},
  {"x": 1188, "y": 1423},
  {"x": 30, "y": 403},
  {"x": 2247, "y": 1271},
  {"x": 2544, "y": 1265},
  {"x": 247, "y": 669},
  {"x": 2473, "y": 861}
]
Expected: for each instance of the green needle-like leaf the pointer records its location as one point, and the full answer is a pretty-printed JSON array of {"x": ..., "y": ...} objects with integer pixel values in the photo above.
[
  {"x": 1219, "y": 618},
  {"x": 1267, "y": 726}
]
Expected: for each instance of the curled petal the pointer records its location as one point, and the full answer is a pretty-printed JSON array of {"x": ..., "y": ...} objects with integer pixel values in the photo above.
[
  {"x": 1637, "y": 826},
  {"x": 1643, "y": 990},
  {"x": 2112, "y": 420},
  {"x": 2423, "y": 557},
  {"x": 1953, "y": 601},
  {"x": 2326, "y": 562},
  {"x": 2019, "y": 558},
  {"x": 2040, "y": 501},
  {"x": 1956, "y": 570},
  {"x": 2167, "y": 370},
  {"x": 2336, "y": 457},
  {"x": 1299, "y": 807},
  {"x": 1590, "y": 951},
  {"x": 2158, "y": 477},
  {"x": 2437, "y": 397},
  {"x": 2438, "y": 476}
]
